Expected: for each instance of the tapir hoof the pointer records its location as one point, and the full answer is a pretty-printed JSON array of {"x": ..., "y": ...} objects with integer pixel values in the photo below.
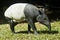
[
  {"x": 13, "y": 32},
  {"x": 29, "y": 32},
  {"x": 36, "y": 33}
]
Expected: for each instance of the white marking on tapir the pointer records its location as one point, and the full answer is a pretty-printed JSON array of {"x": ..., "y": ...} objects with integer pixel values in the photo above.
[{"x": 16, "y": 11}]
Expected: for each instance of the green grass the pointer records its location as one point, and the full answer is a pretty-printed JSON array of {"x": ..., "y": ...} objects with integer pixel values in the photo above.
[{"x": 6, "y": 34}]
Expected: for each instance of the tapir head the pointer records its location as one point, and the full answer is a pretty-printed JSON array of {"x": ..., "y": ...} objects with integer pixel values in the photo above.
[{"x": 42, "y": 18}]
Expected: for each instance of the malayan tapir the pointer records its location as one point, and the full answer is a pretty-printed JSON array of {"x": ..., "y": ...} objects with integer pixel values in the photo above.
[{"x": 19, "y": 12}]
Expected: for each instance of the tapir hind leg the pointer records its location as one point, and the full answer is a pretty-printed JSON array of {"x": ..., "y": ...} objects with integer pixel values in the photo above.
[{"x": 12, "y": 25}]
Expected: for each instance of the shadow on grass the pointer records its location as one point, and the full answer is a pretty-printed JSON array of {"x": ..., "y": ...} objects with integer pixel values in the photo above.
[{"x": 39, "y": 32}]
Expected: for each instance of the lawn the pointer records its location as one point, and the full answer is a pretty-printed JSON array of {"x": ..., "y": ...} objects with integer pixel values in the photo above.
[{"x": 6, "y": 34}]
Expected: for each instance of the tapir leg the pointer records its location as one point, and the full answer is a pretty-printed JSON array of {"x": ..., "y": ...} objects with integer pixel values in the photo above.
[
  {"x": 32, "y": 25},
  {"x": 12, "y": 25},
  {"x": 29, "y": 28}
]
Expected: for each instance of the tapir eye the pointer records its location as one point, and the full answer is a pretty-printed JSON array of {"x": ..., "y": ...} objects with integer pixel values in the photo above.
[{"x": 44, "y": 18}]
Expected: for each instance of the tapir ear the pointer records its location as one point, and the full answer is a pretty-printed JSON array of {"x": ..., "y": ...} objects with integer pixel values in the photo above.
[{"x": 38, "y": 18}]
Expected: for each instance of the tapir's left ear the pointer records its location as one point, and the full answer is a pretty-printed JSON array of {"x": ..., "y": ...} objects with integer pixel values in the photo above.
[{"x": 38, "y": 18}]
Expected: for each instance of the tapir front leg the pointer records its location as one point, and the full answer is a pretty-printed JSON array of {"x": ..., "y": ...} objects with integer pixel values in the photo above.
[
  {"x": 29, "y": 29},
  {"x": 32, "y": 25}
]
